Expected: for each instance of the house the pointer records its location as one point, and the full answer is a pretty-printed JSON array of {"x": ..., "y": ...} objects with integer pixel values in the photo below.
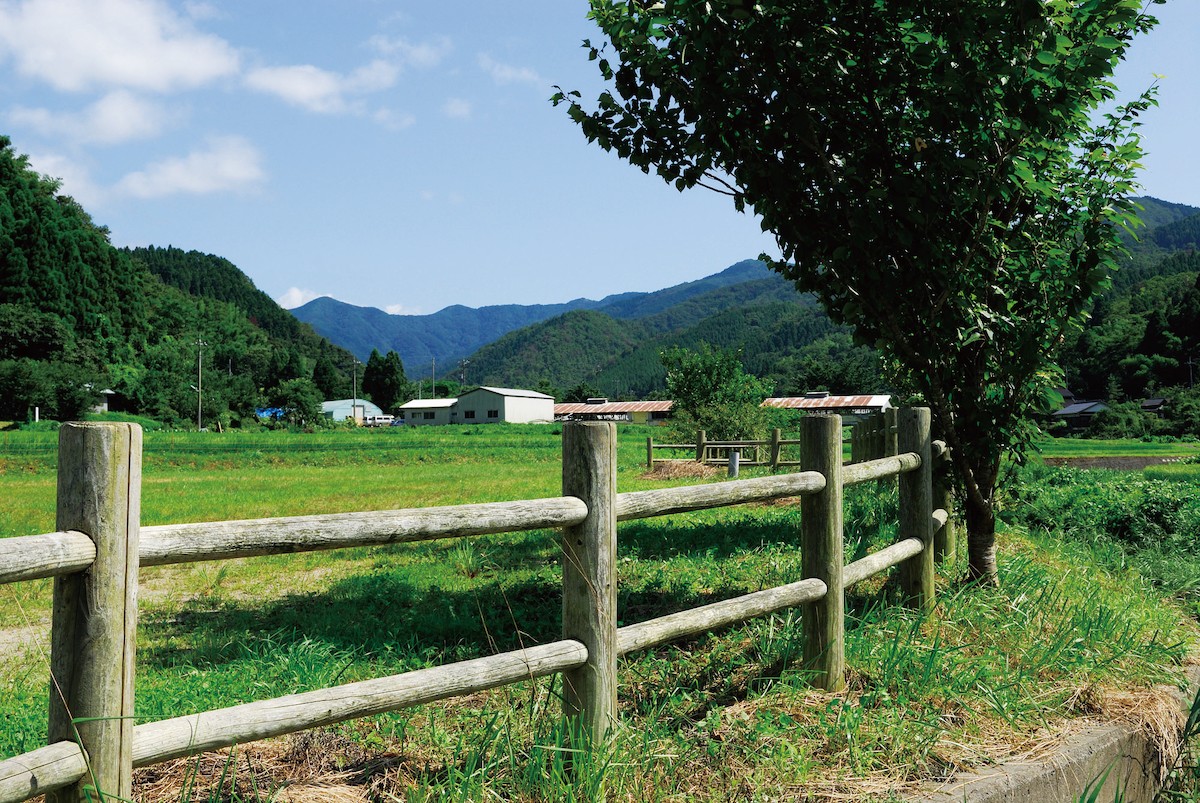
[
  {"x": 341, "y": 409},
  {"x": 599, "y": 409},
  {"x": 487, "y": 405},
  {"x": 822, "y": 402},
  {"x": 428, "y": 412},
  {"x": 1078, "y": 415},
  {"x": 1156, "y": 406}
]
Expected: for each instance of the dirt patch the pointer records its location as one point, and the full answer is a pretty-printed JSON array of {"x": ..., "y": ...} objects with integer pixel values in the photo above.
[
  {"x": 680, "y": 469},
  {"x": 1110, "y": 463}
]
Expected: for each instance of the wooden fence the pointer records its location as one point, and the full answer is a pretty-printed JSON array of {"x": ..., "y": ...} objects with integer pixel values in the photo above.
[
  {"x": 94, "y": 745},
  {"x": 751, "y": 453}
]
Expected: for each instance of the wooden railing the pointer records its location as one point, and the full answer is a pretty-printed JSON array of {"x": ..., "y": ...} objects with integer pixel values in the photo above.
[
  {"x": 94, "y": 745},
  {"x": 750, "y": 452}
]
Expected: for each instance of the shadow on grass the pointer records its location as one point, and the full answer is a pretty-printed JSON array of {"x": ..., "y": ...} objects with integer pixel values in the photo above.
[{"x": 433, "y": 603}]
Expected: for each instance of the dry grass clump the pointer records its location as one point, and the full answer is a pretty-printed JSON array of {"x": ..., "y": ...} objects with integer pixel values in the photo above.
[{"x": 681, "y": 469}]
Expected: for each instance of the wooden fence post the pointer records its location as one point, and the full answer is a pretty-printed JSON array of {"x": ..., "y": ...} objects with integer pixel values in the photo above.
[
  {"x": 944, "y": 540},
  {"x": 856, "y": 442},
  {"x": 589, "y": 576},
  {"x": 821, "y": 551},
  {"x": 776, "y": 446},
  {"x": 891, "y": 442},
  {"x": 701, "y": 444},
  {"x": 916, "y": 507},
  {"x": 95, "y": 611},
  {"x": 649, "y": 453}
]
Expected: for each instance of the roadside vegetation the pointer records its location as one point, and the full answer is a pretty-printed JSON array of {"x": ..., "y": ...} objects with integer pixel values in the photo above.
[{"x": 992, "y": 673}]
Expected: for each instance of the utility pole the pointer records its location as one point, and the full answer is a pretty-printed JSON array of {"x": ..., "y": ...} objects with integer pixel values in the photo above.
[
  {"x": 354, "y": 363},
  {"x": 200, "y": 384},
  {"x": 433, "y": 378},
  {"x": 462, "y": 371}
]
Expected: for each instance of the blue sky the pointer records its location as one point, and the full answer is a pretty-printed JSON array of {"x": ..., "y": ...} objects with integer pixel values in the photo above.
[{"x": 395, "y": 154}]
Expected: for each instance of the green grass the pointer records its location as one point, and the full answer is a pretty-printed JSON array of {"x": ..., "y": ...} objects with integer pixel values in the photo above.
[
  {"x": 722, "y": 716},
  {"x": 1086, "y": 447}
]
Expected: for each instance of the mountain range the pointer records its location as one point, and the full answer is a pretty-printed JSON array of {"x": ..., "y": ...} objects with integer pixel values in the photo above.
[
  {"x": 458, "y": 331},
  {"x": 612, "y": 344}
]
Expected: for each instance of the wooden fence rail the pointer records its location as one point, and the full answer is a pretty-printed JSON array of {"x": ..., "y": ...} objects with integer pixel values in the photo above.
[
  {"x": 93, "y": 744},
  {"x": 752, "y": 452}
]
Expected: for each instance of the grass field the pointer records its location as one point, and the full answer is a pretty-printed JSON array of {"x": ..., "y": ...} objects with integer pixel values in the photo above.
[{"x": 727, "y": 716}]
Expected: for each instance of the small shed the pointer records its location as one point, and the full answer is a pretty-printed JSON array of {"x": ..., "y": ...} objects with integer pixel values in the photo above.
[
  {"x": 428, "y": 412},
  {"x": 488, "y": 405},
  {"x": 341, "y": 409},
  {"x": 634, "y": 412},
  {"x": 822, "y": 402}
]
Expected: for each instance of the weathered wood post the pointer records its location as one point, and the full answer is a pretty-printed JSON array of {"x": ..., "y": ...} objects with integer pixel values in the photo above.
[
  {"x": 701, "y": 445},
  {"x": 821, "y": 551},
  {"x": 891, "y": 441},
  {"x": 856, "y": 442},
  {"x": 649, "y": 453},
  {"x": 944, "y": 539},
  {"x": 95, "y": 611},
  {"x": 589, "y": 576},
  {"x": 916, "y": 507},
  {"x": 776, "y": 446}
]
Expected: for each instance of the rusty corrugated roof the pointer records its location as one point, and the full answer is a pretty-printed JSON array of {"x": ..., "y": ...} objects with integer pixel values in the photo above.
[
  {"x": 608, "y": 408},
  {"x": 829, "y": 402}
]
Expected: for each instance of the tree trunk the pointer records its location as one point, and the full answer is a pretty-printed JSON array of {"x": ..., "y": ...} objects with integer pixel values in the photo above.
[{"x": 981, "y": 541}]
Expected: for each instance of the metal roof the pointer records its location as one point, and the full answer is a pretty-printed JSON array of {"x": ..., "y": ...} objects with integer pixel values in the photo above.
[
  {"x": 829, "y": 402},
  {"x": 528, "y": 394},
  {"x": 1081, "y": 408},
  {"x": 417, "y": 404},
  {"x": 608, "y": 408}
]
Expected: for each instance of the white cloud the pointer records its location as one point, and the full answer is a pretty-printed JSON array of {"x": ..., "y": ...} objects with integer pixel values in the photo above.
[
  {"x": 119, "y": 116},
  {"x": 508, "y": 74},
  {"x": 457, "y": 108},
  {"x": 414, "y": 54},
  {"x": 319, "y": 90},
  {"x": 393, "y": 120},
  {"x": 75, "y": 179},
  {"x": 76, "y": 45},
  {"x": 401, "y": 309},
  {"x": 296, "y": 297},
  {"x": 228, "y": 164},
  {"x": 203, "y": 11}
]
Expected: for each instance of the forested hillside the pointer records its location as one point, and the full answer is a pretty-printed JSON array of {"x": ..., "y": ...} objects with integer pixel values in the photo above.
[
  {"x": 78, "y": 316},
  {"x": 1143, "y": 338},
  {"x": 792, "y": 343}
]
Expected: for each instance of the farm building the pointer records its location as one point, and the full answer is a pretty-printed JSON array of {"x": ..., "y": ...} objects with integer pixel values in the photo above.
[
  {"x": 634, "y": 412},
  {"x": 822, "y": 402},
  {"x": 341, "y": 409},
  {"x": 1079, "y": 415},
  {"x": 486, "y": 405},
  {"x": 428, "y": 412}
]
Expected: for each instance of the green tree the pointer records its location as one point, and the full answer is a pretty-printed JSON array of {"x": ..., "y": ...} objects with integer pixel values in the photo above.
[
  {"x": 300, "y": 401},
  {"x": 384, "y": 380},
  {"x": 933, "y": 172},
  {"x": 714, "y": 393},
  {"x": 326, "y": 377},
  {"x": 581, "y": 392}
]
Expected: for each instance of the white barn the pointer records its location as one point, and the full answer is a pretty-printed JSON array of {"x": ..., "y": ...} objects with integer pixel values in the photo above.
[
  {"x": 427, "y": 412},
  {"x": 486, "y": 405}
]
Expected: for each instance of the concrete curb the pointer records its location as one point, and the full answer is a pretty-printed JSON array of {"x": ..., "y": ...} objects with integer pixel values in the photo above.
[{"x": 1134, "y": 760}]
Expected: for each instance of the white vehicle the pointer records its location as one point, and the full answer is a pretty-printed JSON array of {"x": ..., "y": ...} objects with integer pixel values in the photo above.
[{"x": 377, "y": 420}]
